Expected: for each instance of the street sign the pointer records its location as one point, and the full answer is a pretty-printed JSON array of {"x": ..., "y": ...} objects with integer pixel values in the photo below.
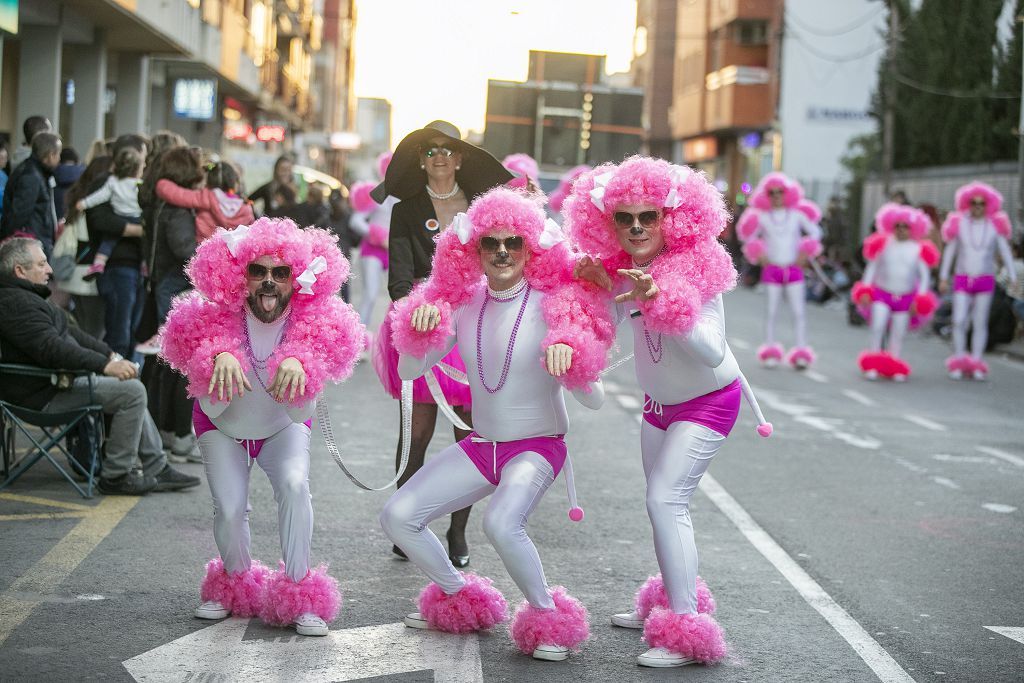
[{"x": 220, "y": 652}]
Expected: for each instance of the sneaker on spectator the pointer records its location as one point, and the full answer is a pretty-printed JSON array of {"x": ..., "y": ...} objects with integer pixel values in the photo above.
[
  {"x": 167, "y": 439},
  {"x": 133, "y": 483},
  {"x": 94, "y": 271},
  {"x": 185, "y": 449},
  {"x": 150, "y": 347},
  {"x": 170, "y": 479}
]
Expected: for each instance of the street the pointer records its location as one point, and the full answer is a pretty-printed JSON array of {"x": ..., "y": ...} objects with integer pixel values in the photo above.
[{"x": 877, "y": 535}]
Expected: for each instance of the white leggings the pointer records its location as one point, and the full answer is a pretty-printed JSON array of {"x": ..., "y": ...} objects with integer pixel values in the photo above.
[
  {"x": 797, "y": 298},
  {"x": 285, "y": 459},
  {"x": 674, "y": 462},
  {"x": 880, "y": 314},
  {"x": 373, "y": 276},
  {"x": 974, "y": 307},
  {"x": 450, "y": 482}
]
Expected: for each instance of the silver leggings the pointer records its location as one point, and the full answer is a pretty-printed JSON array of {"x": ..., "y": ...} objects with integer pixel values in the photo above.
[
  {"x": 674, "y": 462},
  {"x": 971, "y": 311},
  {"x": 450, "y": 482},
  {"x": 796, "y": 296},
  {"x": 285, "y": 459}
]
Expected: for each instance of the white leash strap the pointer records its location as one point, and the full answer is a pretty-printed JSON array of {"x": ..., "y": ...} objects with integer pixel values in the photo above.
[
  {"x": 323, "y": 416},
  {"x": 442, "y": 402}
]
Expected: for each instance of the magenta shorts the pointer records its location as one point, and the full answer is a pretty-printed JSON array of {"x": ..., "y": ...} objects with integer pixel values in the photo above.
[
  {"x": 201, "y": 422},
  {"x": 490, "y": 457},
  {"x": 897, "y": 303},
  {"x": 717, "y": 410},
  {"x": 982, "y": 284},
  {"x": 772, "y": 274},
  {"x": 367, "y": 250}
]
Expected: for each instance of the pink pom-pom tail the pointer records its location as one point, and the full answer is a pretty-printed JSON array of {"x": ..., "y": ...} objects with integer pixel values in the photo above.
[
  {"x": 566, "y": 625},
  {"x": 695, "y": 636},
  {"x": 285, "y": 599},
  {"x": 478, "y": 606},
  {"x": 765, "y": 430},
  {"x": 241, "y": 593}
]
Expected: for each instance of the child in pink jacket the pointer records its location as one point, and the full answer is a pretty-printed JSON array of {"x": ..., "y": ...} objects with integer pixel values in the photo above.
[{"x": 217, "y": 205}]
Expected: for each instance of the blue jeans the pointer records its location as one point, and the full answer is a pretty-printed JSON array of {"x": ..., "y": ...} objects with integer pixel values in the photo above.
[
  {"x": 121, "y": 289},
  {"x": 169, "y": 286}
]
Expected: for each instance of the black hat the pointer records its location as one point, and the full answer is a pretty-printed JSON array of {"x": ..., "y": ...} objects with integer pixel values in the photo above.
[{"x": 404, "y": 178}]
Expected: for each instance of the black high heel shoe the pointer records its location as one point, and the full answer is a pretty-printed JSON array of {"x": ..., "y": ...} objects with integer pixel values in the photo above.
[
  {"x": 398, "y": 551},
  {"x": 458, "y": 561}
]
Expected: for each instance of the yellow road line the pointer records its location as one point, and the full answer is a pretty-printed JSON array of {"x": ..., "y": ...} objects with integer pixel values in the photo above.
[
  {"x": 35, "y": 500},
  {"x": 46, "y": 575},
  {"x": 43, "y": 515}
]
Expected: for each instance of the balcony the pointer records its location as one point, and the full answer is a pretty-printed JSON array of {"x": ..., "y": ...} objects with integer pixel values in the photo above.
[{"x": 738, "y": 97}]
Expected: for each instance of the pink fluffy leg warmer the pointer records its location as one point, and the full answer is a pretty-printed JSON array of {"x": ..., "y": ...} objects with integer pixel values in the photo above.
[
  {"x": 961, "y": 363},
  {"x": 696, "y": 636},
  {"x": 978, "y": 364},
  {"x": 566, "y": 625},
  {"x": 767, "y": 352},
  {"x": 652, "y": 594},
  {"x": 800, "y": 356},
  {"x": 285, "y": 599},
  {"x": 479, "y": 605},
  {"x": 240, "y": 593}
]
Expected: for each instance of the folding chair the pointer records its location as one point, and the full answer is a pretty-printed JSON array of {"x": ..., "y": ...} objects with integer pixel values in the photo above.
[{"x": 15, "y": 419}]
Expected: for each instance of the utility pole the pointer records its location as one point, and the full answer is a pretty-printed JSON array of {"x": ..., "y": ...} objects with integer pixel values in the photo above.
[{"x": 888, "y": 117}]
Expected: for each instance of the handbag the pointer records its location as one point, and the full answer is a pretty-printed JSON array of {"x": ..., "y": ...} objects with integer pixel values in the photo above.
[{"x": 75, "y": 237}]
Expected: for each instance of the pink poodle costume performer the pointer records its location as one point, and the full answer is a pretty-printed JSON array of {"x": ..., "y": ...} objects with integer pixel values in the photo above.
[
  {"x": 894, "y": 294},
  {"x": 258, "y": 339},
  {"x": 973, "y": 233},
  {"x": 525, "y": 169},
  {"x": 780, "y": 232},
  {"x": 654, "y": 226},
  {"x": 502, "y": 288},
  {"x": 371, "y": 221}
]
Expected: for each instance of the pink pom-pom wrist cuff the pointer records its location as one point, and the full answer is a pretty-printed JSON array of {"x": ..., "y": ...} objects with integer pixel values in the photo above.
[
  {"x": 410, "y": 342},
  {"x": 810, "y": 247},
  {"x": 754, "y": 250}
]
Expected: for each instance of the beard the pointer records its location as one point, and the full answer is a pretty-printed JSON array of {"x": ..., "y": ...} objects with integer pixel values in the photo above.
[{"x": 268, "y": 303}]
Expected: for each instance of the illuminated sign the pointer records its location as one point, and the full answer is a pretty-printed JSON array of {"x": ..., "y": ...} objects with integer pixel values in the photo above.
[
  {"x": 195, "y": 98},
  {"x": 237, "y": 130},
  {"x": 270, "y": 133}
]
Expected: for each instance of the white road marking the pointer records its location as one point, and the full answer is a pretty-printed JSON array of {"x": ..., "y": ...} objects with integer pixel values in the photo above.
[
  {"x": 627, "y": 401},
  {"x": 1014, "y": 632},
  {"x": 858, "y": 397},
  {"x": 829, "y": 425},
  {"x": 948, "y": 483},
  {"x": 866, "y": 442},
  {"x": 219, "y": 653},
  {"x": 1002, "y": 455},
  {"x": 815, "y": 376},
  {"x": 999, "y": 507},
  {"x": 741, "y": 344},
  {"x": 925, "y": 422},
  {"x": 966, "y": 459},
  {"x": 873, "y": 654}
]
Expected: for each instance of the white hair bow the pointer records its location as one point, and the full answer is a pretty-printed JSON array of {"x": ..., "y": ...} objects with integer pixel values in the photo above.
[
  {"x": 597, "y": 194},
  {"x": 308, "y": 277},
  {"x": 679, "y": 176},
  {"x": 234, "y": 237},
  {"x": 463, "y": 227},
  {"x": 551, "y": 235}
]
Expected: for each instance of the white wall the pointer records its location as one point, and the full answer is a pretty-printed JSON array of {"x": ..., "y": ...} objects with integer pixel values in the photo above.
[{"x": 830, "y": 55}]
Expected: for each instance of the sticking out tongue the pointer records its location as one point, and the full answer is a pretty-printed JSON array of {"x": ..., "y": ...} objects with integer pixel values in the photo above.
[{"x": 268, "y": 302}]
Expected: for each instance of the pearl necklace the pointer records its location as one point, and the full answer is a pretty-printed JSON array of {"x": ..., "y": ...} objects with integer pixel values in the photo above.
[
  {"x": 977, "y": 242},
  {"x": 508, "y": 294},
  {"x": 511, "y": 341},
  {"x": 446, "y": 195}
]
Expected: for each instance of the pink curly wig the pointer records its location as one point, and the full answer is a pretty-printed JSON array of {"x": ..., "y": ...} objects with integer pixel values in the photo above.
[
  {"x": 792, "y": 192},
  {"x": 566, "y": 625},
  {"x": 574, "y": 312},
  {"x": 695, "y": 267},
  {"x": 557, "y": 198},
  {"x": 241, "y": 593},
  {"x": 993, "y": 198},
  {"x": 383, "y": 161},
  {"x": 284, "y": 599},
  {"x": 359, "y": 196},
  {"x": 652, "y": 594},
  {"x": 478, "y": 606},
  {"x": 890, "y": 214},
  {"x": 324, "y": 333},
  {"x": 522, "y": 165},
  {"x": 695, "y": 636}
]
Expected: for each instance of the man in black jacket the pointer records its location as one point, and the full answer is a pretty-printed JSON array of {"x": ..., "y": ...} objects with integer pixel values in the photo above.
[
  {"x": 35, "y": 332},
  {"x": 28, "y": 199}
]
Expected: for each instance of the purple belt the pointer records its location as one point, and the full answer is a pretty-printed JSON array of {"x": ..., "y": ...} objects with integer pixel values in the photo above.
[
  {"x": 981, "y": 284},
  {"x": 772, "y": 274},
  {"x": 897, "y": 303}
]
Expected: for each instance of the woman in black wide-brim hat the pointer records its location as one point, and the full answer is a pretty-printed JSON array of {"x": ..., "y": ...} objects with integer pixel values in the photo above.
[{"x": 436, "y": 175}]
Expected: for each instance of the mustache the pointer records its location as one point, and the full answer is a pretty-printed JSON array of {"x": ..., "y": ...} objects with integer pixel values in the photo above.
[{"x": 268, "y": 287}]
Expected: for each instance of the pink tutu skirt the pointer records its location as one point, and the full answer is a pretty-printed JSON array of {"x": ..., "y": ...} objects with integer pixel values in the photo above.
[{"x": 385, "y": 362}]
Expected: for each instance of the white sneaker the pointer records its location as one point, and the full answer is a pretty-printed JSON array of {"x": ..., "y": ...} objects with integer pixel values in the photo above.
[
  {"x": 770, "y": 362},
  {"x": 628, "y": 620},
  {"x": 211, "y": 609},
  {"x": 980, "y": 375},
  {"x": 309, "y": 624},
  {"x": 660, "y": 658},
  {"x": 150, "y": 347},
  {"x": 899, "y": 377},
  {"x": 416, "y": 620},
  {"x": 551, "y": 653},
  {"x": 956, "y": 374},
  {"x": 871, "y": 375}
]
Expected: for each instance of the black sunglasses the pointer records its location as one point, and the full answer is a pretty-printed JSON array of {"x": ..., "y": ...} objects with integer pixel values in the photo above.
[
  {"x": 624, "y": 219},
  {"x": 436, "y": 150},
  {"x": 279, "y": 273},
  {"x": 774, "y": 191},
  {"x": 491, "y": 245},
  {"x": 977, "y": 202}
]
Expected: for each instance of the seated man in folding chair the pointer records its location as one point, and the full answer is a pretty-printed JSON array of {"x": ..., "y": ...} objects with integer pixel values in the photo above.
[{"x": 33, "y": 331}]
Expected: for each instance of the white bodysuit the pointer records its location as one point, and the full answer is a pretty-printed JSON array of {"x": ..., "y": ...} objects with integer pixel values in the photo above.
[{"x": 899, "y": 270}]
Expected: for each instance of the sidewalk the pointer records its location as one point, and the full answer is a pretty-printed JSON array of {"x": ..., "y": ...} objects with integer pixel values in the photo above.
[{"x": 1013, "y": 351}]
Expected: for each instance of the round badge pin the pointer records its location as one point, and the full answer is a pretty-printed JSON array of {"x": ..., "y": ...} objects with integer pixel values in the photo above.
[{"x": 432, "y": 224}]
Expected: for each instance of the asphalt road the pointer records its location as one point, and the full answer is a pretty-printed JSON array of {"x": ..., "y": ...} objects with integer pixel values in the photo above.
[{"x": 879, "y": 519}]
